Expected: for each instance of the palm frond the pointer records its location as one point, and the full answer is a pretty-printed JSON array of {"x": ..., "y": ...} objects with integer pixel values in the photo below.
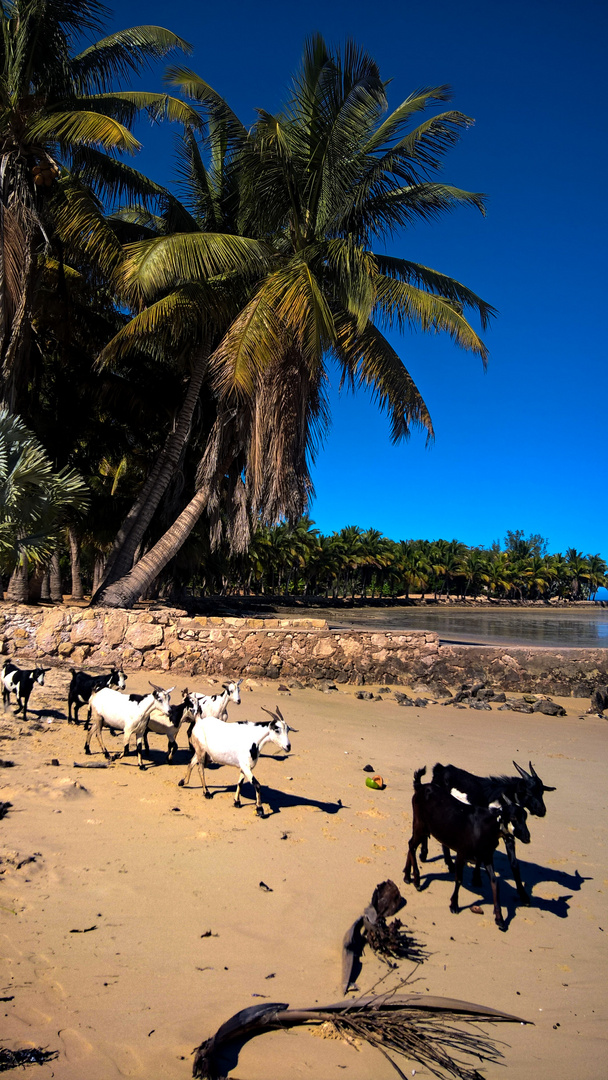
[
  {"x": 215, "y": 106},
  {"x": 368, "y": 360},
  {"x": 169, "y": 261},
  {"x": 435, "y": 282},
  {"x": 402, "y": 305},
  {"x": 82, "y": 128},
  {"x": 123, "y": 53}
]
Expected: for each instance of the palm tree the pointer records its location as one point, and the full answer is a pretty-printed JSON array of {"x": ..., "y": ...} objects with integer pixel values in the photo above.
[
  {"x": 319, "y": 183},
  {"x": 62, "y": 123},
  {"x": 35, "y": 501}
]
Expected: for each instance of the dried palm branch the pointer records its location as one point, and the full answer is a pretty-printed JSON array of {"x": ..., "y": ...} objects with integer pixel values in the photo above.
[
  {"x": 413, "y": 1026},
  {"x": 388, "y": 940}
]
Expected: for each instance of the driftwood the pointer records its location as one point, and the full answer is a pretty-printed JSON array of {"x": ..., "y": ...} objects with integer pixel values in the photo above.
[
  {"x": 414, "y": 1026},
  {"x": 90, "y": 764}
]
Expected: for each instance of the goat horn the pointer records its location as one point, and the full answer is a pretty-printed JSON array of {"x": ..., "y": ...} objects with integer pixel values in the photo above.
[
  {"x": 533, "y": 771},
  {"x": 279, "y": 713},
  {"x": 522, "y": 772},
  {"x": 154, "y": 686},
  {"x": 268, "y": 711}
]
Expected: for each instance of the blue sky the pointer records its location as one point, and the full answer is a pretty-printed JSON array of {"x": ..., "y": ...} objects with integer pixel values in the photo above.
[{"x": 524, "y": 445}]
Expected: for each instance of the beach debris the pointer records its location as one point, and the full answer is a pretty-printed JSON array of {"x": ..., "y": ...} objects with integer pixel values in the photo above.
[
  {"x": 375, "y": 782},
  {"x": 91, "y": 764},
  {"x": 209, "y": 933},
  {"x": 12, "y": 1059},
  {"x": 476, "y": 909},
  {"x": 364, "y": 695},
  {"x": 265, "y": 887},
  {"x": 368, "y": 768},
  {"x": 282, "y": 689},
  {"x": 389, "y": 941},
  {"x": 4, "y": 809},
  {"x": 87, "y": 930},
  {"x": 415, "y": 1026},
  {"x": 4, "y": 764}
]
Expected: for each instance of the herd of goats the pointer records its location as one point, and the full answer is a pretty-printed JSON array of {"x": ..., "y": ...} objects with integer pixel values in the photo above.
[{"x": 466, "y": 814}]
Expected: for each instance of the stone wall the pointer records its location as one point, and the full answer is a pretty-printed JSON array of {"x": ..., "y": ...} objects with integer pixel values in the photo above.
[{"x": 306, "y": 649}]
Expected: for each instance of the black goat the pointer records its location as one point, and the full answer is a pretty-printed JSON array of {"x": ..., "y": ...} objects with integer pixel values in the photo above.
[
  {"x": 472, "y": 832},
  {"x": 20, "y": 683},
  {"x": 83, "y": 685},
  {"x": 525, "y": 790}
]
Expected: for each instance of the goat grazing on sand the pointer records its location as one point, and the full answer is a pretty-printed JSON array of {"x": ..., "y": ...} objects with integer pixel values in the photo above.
[
  {"x": 237, "y": 744},
  {"x": 20, "y": 683},
  {"x": 472, "y": 832},
  {"x": 122, "y": 713},
  {"x": 83, "y": 685},
  {"x": 525, "y": 790}
]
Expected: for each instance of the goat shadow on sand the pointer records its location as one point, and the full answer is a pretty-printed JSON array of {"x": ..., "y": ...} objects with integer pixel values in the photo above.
[
  {"x": 531, "y": 874},
  {"x": 276, "y": 799}
]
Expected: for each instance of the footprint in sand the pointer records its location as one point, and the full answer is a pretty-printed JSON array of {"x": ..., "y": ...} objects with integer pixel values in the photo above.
[
  {"x": 126, "y": 1060},
  {"x": 75, "y": 1047}
]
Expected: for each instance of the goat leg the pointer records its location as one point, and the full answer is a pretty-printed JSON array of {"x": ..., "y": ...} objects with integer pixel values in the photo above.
[
  {"x": 460, "y": 861},
  {"x": 477, "y": 874},
  {"x": 495, "y": 895},
  {"x": 514, "y": 864},
  {"x": 259, "y": 809},
  {"x": 237, "y": 794},
  {"x": 411, "y": 862},
  {"x": 447, "y": 858}
]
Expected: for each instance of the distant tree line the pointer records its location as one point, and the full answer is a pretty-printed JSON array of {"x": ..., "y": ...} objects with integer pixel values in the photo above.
[{"x": 299, "y": 561}]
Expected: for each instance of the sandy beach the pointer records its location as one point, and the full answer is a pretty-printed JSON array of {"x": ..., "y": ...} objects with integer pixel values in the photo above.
[{"x": 154, "y": 868}]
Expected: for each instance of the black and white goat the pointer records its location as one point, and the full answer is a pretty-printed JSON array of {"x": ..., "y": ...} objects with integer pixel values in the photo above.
[
  {"x": 472, "y": 832},
  {"x": 525, "y": 790},
  {"x": 20, "y": 683},
  {"x": 169, "y": 725},
  {"x": 216, "y": 704},
  {"x": 122, "y": 713},
  {"x": 237, "y": 744},
  {"x": 83, "y": 685}
]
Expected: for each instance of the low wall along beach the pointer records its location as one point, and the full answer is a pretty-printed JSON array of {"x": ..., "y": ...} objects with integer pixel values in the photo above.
[{"x": 303, "y": 649}]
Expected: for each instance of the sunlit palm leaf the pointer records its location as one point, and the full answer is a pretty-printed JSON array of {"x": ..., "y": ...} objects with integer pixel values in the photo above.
[{"x": 82, "y": 128}]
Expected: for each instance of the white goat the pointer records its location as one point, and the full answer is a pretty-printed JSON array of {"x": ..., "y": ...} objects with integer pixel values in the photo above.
[
  {"x": 237, "y": 744},
  {"x": 216, "y": 704},
  {"x": 122, "y": 713}
]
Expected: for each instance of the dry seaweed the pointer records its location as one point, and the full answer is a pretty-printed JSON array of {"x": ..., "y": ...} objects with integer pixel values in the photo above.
[
  {"x": 12, "y": 1059},
  {"x": 413, "y": 1026}
]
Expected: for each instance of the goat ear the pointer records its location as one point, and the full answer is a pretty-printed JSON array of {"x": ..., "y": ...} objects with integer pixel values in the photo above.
[
  {"x": 545, "y": 788},
  {"x": 522, "y": 772}
]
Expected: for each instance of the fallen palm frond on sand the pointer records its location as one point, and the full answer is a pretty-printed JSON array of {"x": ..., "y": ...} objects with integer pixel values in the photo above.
[
  {"x": 388, "y": 940},
  {"x": 413, "y": 1026}
]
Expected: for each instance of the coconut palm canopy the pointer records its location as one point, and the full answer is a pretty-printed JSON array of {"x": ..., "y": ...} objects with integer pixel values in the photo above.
[
  {"x": 63, "y": 126},
  {"x": 290, "y": 222}
]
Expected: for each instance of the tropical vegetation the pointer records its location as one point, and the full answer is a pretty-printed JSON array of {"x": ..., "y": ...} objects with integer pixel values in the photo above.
[{"x": 173, "y": 346}]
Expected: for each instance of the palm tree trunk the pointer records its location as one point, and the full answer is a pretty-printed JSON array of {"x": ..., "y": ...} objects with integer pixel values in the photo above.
[
  {"x": 77, "y": 591},
  {"x": 45, "y": 586},
  {"x": 55, "y": 580},
  {"x": 126, "y": 591},
  {"x": 18, "y": 585},
  {"x": 133, "y": 528}
]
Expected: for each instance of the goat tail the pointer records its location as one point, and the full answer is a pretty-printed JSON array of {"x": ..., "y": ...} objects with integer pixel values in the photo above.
[{"x": 417, "y": 775}]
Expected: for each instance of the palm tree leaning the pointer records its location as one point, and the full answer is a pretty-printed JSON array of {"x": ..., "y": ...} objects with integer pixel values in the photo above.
[
  {"x": 62, "y": 123},
  {"x": 319, "y": 184}
]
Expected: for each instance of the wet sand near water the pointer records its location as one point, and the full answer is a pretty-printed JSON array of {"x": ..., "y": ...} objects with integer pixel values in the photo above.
[{"x": 154, "y": 867}]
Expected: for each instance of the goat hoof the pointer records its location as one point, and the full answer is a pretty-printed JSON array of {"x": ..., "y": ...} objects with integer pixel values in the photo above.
[
  {"x": 259, "y": 811},
  {"x": 208, "y": 795},
  {"x": 180, "y": 783},
  {"x": 455, "y": 909}
]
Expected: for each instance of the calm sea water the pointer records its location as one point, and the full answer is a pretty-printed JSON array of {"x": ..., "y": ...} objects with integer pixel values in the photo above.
[{"x": 578, "y": 628}]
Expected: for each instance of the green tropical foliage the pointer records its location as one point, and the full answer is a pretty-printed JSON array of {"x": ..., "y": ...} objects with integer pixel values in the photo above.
[
  {"x": 64, "y": 122},
  {"x": 35, "y": 499}
]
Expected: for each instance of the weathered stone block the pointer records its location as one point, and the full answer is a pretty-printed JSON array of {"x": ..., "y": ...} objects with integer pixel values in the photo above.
[{"x": 144, "y": 636}]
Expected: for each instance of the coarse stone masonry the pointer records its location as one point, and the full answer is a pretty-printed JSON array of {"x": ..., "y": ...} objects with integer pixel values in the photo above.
[{"x": 306, "y": 649}]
